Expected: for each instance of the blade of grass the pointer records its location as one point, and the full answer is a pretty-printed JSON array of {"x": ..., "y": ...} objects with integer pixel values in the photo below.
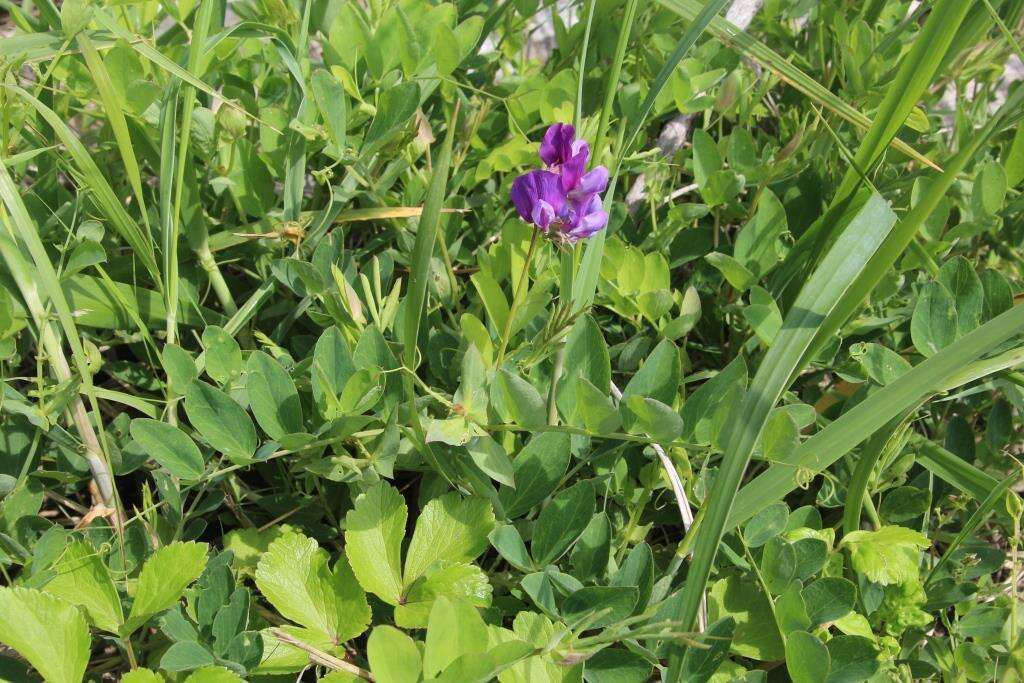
[
  {"x": 20, "y": 224},
  {"x": 883, "y": 441},
  {"x": 115, "y": 117},
  {"x": 915, "y": 74},
  {"x": 952, "y": 469},
  {"x": 995, "y": 497},
  {"x": 419, "y": 275},
  {"x": 103, "y": 195},
  {"x": 932, "y": 375},
  {"x": 816, "y": 301}
]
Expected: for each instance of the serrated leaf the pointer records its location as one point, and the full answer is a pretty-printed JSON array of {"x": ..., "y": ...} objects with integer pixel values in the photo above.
[
  {"x": 83, "y": 579},
  {"x": 163, "y": 580},
  {"x": 214, "y": 674},
  {"x": 890, "y": 555},
  {"x": 451, "y": 529},
  {"x": 294, "y": 576},
  {"x": 455, "y": 581},
  {"x": 50, "y": 633},
  {"x": 374, "y": 529},
  {"x": 454, "y": 629}
]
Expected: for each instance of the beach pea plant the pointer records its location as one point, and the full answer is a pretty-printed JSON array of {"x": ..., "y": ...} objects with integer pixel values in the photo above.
[{"x": 595, "y": 340}]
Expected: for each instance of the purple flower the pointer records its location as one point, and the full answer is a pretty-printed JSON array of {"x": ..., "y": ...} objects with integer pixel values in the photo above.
[{"x": 563, "y": 200}]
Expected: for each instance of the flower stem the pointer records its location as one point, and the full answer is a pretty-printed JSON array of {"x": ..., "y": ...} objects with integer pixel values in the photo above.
[{"x": 517, "y": 298}]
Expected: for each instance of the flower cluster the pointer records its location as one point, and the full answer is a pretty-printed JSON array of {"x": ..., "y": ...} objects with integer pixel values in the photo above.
[{"x": 563, "y": 199}]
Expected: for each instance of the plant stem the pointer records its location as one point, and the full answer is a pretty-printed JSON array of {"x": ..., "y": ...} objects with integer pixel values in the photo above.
[
  {"x": 556, "y": 374},
  {"x": 517, "y": 298},
  {"x": 217, "y": 281}
]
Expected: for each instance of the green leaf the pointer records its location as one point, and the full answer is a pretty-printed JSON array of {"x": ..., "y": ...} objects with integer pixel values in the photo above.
[
  {"x": 592, "y": 551},
  {"x": 454, "y": 581},
  {"x": 613, "y": 665},
  {"x": 214, "y": 674},
  {"x": 522, "y": 401},
  {"x": 450, "y": 529},
  {"x": 647, "y": 416},
  {"x": 455, "y": 629},
  {"x": 766, "y": 525},
  {"x": 596, "y": 408},
  {"x": 889, "y": 555},
  {"x": 756, "y": 635},
  {"x": 935, "y": 322},
  {"x": 142, "y": 676},
  {"x": 83, "y": 579},
  {"x": 455, "y": 431},
  {"x": 852, "y": 659},
  {"x": 223, "y": 355},
  {"x": 968, "y": 294},
  {"x": 807, "y": 658},
  {"x": 509, "y": 544},
  {"x": 735, "y": 273},
  {"x": 829, "y": 598},
  {"x": 491, "y": 458},
  {"x": 394, "y": 110},
  {"x": 332, "y": 366},
  {"x": 537, "y": 470},
  {"x": 763, "y": 315},
  {"x": 163, "y": 580},
  {"x": 605, "y": 604},
  {"x": 374, "y": 529},
  {"x": 562, "y": 521},
  {"x": 272, "y": 396},
  {"x": 185, "y": 656},
  {"x": 588, "y": 354},
  {"x": 293, "y": 575},
  {"x": 990, "y": 188},
  {"x": 394, "y": 657},
  {"x": 170, "y": 447},
  {"x": 50, "y": 633},
  {"x": 224, "y": 425},
  {"x": 758, "y": 245},
  {"x": 658, "y": 377}
]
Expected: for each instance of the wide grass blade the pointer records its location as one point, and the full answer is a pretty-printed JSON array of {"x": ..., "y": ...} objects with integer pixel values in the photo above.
[
  {"x": 822, "y": 293},
  {"x": 840, "y": 437}
]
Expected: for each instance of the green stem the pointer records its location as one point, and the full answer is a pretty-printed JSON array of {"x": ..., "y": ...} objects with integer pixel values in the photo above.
[
  {"x": 517, "y": 298},
  {"x": 217, "y": 281},
  {"x": 556, "y": 374}
]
